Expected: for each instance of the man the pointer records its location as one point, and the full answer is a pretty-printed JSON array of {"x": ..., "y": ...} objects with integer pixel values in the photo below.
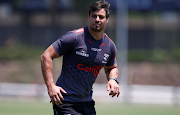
[{"x": 85, "y": 51}]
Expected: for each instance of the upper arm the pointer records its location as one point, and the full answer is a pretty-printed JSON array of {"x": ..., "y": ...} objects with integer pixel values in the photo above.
[
  {"x": 50, "y": 53},
  {"x": 112, "y": 58}
]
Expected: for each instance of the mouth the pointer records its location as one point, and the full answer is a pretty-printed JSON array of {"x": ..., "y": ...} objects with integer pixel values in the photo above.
[{"x": 97, "y": 24}]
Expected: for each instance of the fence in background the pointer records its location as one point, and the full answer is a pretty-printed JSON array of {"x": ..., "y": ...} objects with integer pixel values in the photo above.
[{"x": 135, "y": 93}]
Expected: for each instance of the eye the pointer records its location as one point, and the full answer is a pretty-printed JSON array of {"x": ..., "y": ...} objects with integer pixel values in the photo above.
[
  {"x": 101, "y": 17},
  {"x": 94, "y": 16}
]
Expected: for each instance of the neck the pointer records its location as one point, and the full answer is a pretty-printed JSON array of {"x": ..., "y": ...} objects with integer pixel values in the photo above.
[{"x": 96, "y": 34}]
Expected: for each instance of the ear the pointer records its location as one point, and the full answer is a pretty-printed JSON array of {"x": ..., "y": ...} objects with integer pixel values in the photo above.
[{"x": 107, "y": 19}]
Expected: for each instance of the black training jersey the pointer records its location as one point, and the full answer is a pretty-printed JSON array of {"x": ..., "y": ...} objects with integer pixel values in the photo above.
[{"x": 83, "y": 58}]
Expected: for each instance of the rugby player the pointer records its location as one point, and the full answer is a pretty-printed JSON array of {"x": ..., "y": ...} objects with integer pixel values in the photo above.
[{"x": 85, "y": 52}]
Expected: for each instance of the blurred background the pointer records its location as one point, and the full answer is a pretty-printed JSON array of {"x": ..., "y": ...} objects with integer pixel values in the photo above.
[{"x": 146, "y": 33}]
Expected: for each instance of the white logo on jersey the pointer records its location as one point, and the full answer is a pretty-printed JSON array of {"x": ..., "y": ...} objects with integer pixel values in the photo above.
[
  {"x": 82, "y": 53},
  {"x": 106, "y": 56},
  {"x": 96, "y": 49},
  {"x": 104, "y": 62}
]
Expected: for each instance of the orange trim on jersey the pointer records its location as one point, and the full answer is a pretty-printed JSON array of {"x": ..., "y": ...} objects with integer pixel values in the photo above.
[
  {"x": 103, "y": 44},
  {"x": 107, "y": 36},
  {"x": 90, "y": 41},
  {"x": 79, "y": 30}
]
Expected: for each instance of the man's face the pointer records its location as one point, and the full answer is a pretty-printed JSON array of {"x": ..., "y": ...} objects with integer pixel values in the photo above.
[{"x": 98, "y": 20}]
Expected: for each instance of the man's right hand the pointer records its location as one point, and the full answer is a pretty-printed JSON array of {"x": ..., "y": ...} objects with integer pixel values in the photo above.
[{"x": 55, "y": 94}]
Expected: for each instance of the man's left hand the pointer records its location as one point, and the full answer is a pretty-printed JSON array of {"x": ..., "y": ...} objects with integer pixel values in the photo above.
[{"x": 113, "y": 87}]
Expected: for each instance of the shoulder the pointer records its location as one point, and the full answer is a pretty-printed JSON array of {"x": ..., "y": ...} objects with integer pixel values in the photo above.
[
  {"x": 75, "y": 32},
  {"x": 78, "y": 31},
  {"x": 78, "y": 34},
  {"x": 72, "y": 35},
  {"x": 108, "y": 40}
]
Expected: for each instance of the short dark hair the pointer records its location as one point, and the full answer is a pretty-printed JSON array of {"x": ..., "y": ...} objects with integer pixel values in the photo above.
[{"x": 99, "y": 5}]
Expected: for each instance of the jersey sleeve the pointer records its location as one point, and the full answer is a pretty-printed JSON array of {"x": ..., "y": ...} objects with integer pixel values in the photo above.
[
  {"x": 64, "y": 43},
  {"x": 112, "y": 59}
]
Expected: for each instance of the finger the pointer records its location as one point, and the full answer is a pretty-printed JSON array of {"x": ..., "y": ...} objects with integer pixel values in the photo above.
[
  {"x": 113, "y": 89},
  {"x": 55, "y": 101},
  {"x": 118, "y": 92},
  {"x": 108, "y": 87},
  {"x": 116, "y": 89},
  {"x": 60, "y": 96},
  {"x": 52, "y": 101},
  {"x": 58, "y": 100},
  {"x": 62, "y": 90},
  {"x": 113, "y": 94},
  {"x": 110, "y": 93}
]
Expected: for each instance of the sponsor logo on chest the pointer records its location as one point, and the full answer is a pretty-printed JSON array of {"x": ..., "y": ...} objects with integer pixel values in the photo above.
[
  {"x": 96, "y": 49},
  {"x": 90, "y": 69},
  {"x": 82, "y": 53}
]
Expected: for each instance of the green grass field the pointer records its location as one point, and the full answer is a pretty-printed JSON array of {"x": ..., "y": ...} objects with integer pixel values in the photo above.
[{"x": 35, "y": 108}]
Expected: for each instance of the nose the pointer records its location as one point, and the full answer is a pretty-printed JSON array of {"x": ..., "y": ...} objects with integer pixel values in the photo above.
[{"x": 97, "y": 18}]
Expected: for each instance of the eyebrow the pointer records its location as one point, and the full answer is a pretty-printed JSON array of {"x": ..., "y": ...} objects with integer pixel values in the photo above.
[{"x": 95, "y": 14}]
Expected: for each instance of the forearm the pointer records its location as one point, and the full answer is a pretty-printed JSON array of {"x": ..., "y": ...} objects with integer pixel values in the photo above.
[
  {"x": 113, "y": 73},
  {"x": 47, "y": 68}
]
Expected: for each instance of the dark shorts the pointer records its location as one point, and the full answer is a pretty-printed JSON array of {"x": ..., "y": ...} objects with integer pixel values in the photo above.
[{"x": 68, "y": 108}]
